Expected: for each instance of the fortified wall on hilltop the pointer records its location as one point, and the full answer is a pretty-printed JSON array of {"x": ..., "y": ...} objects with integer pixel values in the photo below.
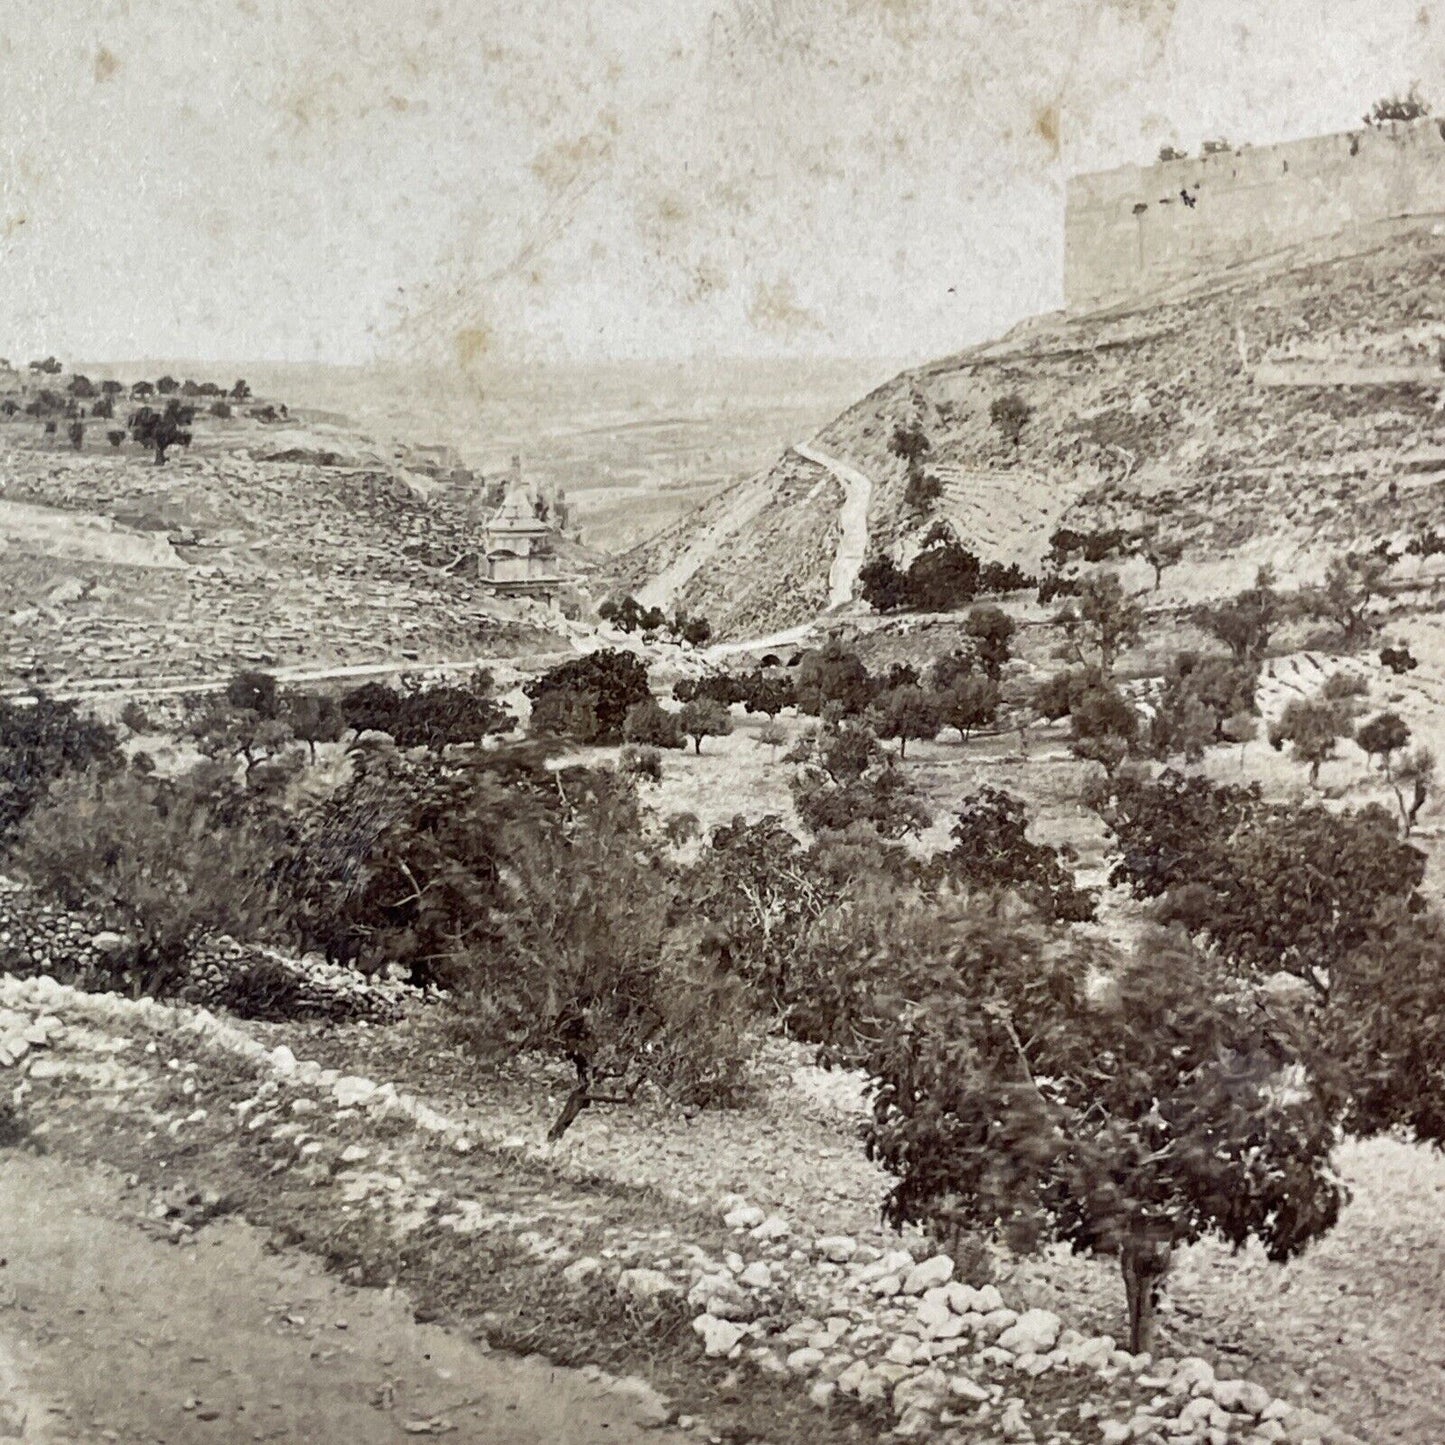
[{"x": 1136, "y": 228}]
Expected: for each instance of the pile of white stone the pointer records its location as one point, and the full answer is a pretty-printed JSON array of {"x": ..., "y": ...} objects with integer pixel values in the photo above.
[
  {"x": 895, "y": 1330},
  {"x": 22, "y": 1032}
]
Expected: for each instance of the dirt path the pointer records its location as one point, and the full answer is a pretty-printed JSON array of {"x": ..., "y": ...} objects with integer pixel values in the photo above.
[
  {"x": 109, "y": 1333},
  {"x": 852, "y": 520}
]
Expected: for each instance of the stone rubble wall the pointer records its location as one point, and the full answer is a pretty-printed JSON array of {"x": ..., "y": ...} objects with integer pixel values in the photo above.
[
  {"x": 950, "y": 1362},
  {"x": 37, "y": 939}
]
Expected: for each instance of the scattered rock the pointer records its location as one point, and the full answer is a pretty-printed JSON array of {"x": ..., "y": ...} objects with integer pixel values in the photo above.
[
  {"x": 746, "y": 1216},
  {"x": 1034, "y": 1333},
  {"x": 647, "y": 1284},
  {"x": 928, "y": 1275},
  {"x": 719, "y": 1337}
]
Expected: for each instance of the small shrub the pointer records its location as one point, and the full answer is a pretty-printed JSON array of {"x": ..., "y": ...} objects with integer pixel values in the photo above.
[
  {"x": 650, "y": 724},
  {"x": 14, "y": 1130},
  {"x": 133, "y": 716},
  {"x": 564, "y": 713},
  {"x": 640, "y": 762}
]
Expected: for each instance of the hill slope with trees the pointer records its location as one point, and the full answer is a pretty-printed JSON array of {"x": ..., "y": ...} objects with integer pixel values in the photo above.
[{"x": 1272, "y": 415}]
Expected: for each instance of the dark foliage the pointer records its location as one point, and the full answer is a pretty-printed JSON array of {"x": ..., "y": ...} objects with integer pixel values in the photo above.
[
  {"x": 615, "y": 681},
  {"x": 992, "y": 850},
  {"x": 42, "y": 742}
]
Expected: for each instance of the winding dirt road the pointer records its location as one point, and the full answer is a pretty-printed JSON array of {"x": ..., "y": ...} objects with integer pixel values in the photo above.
[{"x": 852, "y": 519}]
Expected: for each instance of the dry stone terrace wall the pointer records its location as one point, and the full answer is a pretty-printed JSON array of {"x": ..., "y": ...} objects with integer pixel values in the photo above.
[
  {"x": 282, "y": 563},
  {"x": 1132, "y": 229},
  {"x": 39, "y": 940}
]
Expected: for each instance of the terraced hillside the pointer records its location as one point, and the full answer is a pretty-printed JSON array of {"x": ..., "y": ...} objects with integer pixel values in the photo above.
[
  {"x": 235, "y": 552},
  {"x": 1277, "y": 413}
]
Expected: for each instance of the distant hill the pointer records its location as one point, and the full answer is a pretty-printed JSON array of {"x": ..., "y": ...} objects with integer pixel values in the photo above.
[
  {"x": 633, "y": 444},
  {"x": 1261, "y": 416}
]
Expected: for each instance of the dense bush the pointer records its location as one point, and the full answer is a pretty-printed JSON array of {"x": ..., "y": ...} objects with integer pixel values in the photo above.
[
  {"x": 590, "y": 963},
  {"x": 1244, "y": 861},
  {"x": 833, "y": 675},
  {"x": 1010, "y": 414},
  {"x": 41, "y": 742},
  {"x": 433, "y": 717},
  {"x": 1201, "y": 695},
  {"x": 564, "y": 713},
  {"x": 992, "y": 850},
  {"x": 402, "y": 864},
  {"x": 943, "y": 576},
  {"x": 162, "y": 864},
  {"x": 844, "y": 778},
  {"x": 614, "y": 680},
  {"x": 650, "y": 724}
]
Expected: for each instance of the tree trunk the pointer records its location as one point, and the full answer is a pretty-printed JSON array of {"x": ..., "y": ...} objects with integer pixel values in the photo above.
[
  {"x": 1144, "y": 1266},
  {"x": 577, "y": 1100},
  {"x": 902, "y": 748}
]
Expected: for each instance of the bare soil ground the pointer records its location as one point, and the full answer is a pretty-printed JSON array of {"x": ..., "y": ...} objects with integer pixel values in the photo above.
[
  {"x": 474, "y": 1242},
  {"x": 113, "y": 1333}
]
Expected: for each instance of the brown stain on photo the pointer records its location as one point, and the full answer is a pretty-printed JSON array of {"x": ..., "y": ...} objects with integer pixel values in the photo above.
[
  {"x": 471, "y": 345},
  {"x": 1046, "y": 127},
  {"x": 106, "y": 66}
]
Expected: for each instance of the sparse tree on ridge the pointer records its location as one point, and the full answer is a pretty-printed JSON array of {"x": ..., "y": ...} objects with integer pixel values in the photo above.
[
  {"x": 1010, "y": 414},
  {"x": 1160, "y": 553},
  {"x": 1393, "y": 109}
]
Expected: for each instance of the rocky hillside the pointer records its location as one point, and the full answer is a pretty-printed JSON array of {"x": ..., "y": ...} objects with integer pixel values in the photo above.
[
  {"x": 1277, "y": 413},
  {"x": 276, "y": 545}
]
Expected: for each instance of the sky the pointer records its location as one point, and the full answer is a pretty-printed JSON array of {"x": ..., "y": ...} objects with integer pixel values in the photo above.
[{"x": 481, "y": 183}]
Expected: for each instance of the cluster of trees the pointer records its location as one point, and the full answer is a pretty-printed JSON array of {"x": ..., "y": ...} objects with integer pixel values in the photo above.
[
  {"x": 1109, "y": 543},
  {"x": 158, "y": 429},
  {"x": 1208, "y": 700},
  {"x": 1027, "y": 1077},
  {"x": 629, "y": 615},
  {"x": 1392, "y": 108},
  {"x": 944, "y": 575},
  {"x": 960, "y": 690}
]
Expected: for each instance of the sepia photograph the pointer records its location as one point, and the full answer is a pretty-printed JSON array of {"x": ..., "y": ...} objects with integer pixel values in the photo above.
[{"x": 722, "y": 722}]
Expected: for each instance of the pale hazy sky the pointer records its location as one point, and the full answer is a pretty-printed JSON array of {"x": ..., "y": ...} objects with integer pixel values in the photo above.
[{"x": 343, "y": 179}]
